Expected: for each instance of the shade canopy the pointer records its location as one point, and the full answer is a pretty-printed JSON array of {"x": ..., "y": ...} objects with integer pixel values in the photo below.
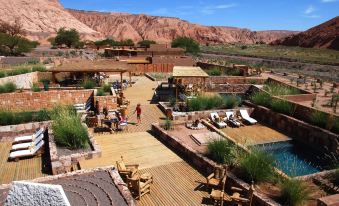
[
  {"x": 89, "y": 66},
  {"x": 184, "y": 71}
]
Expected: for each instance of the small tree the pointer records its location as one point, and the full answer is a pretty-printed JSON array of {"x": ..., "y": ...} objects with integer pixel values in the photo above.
[
  {"x": 187, "y": 43},
  {"x": 146, "y": 43},
  {"x": 68, "y": 37},
  {"x": 12, "y": 29}
]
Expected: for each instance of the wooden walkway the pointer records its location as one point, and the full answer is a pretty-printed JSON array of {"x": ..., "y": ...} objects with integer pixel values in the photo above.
[
  {"x": 137, "y": 148},
  {"x": 25, "y": 169},
  {"x": 176, "y": 184},
  {"x": 254, "y": 134}
]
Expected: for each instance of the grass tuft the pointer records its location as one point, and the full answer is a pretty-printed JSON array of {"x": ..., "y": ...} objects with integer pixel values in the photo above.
[
  {"x": 222, "y": 151},
  {"x": 294, "y": 192}
]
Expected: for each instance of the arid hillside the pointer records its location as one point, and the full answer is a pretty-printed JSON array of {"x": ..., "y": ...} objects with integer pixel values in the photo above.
[
  {"x": 325, "y": 35},
  {"x": 42, "y": 18},
  {"x": 121, "y": 26}
]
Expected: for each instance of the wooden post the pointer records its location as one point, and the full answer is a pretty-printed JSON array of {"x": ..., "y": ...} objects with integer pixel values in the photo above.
[{"x": 130, "y": 79}]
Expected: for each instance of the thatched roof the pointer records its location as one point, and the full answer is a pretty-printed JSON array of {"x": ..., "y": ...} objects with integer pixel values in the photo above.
[
  {"x": 89, "y": 66},
  {"x": 184, "y": 71}
]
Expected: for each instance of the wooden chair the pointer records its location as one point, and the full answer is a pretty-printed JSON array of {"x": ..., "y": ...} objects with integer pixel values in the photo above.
[
  {"x": 219, "y": 196},
  {"x": 126, "y": 170},
  {"x": 137, "y": 187},
  {"x": 214, "y": 179},
  {"x": 246, "y": 200}
]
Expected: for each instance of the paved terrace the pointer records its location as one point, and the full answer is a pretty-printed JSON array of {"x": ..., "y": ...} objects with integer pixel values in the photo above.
[{"x": 175, "y": 181}]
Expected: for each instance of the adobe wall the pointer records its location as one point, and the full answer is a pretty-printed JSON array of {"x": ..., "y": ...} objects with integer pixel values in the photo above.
[
  {"x": 302, "y": 91},
  {"x": 23, "y": 81},
  {"x": 235, "y": 80},
  {"x": 208, "y": 66},
  {"x": 229, "y": 88},
  {"x": 176, "y": 60},
  {"x": 147, "y": 68},
  {"x": 45, "y": 99},
  {"x": 110, "y": 102},
  {"x": 304, "y": 132},
  {"x": 300, "y": 97}
]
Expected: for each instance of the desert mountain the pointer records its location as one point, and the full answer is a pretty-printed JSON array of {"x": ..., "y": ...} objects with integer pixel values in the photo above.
[
  {"x": 121, "y": 26},
  {"x": 325, "y": 35},
  {"x": 42, "y": 18}
]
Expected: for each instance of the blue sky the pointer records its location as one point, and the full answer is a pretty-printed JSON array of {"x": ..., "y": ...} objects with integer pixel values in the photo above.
[{"x": 256, "y": 14}]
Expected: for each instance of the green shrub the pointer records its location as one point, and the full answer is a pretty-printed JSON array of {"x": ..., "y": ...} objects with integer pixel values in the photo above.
[
  {"x": 101, "y": 92},
  {"x": 88, "y": 83},
  {"x": 294, "y": 192},
  {"x": 334, "y": 178},
  {"x": 214, "y": 72},
  {"x": 233, "y": 72},
  {"x": 7, "y": 87},
  {"x": 257, "y": 166},
  {"x": 231, "y": 101},
  {"x": 319, "y": 119},
  {"x": 17, "y": 71},
  {"x": 262, "y": 98},
  {"x": 39, "y": 69},
  {"x": 172, "y": 101},
  {"x": 335, "y": 127},
  {"x": 68, "y": 130},
  {"x": 107, "y": 88},
  {"x": 2, "y": 74},
  {"x": 221, "y": 151},
  {"x": 167, "y": 124},
  {"x": 280, "y": 90},
  {"x": 35, "y": 87},
  {"x": 10, "y": 118},
  {"x": 282, "y": 106}
]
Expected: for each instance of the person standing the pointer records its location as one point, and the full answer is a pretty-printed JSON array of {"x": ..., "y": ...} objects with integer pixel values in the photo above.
[{"x": 138, "y": 111}]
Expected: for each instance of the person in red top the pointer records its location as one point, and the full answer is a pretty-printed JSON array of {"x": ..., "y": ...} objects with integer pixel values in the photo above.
[{"x": 138, "y": 110}]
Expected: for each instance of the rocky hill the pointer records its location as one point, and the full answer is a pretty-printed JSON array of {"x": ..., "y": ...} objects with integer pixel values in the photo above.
[
  {"x": 121, "y": 26},
  {"x": 42, "y": 18},
  {"x": 325, "y": 35}
]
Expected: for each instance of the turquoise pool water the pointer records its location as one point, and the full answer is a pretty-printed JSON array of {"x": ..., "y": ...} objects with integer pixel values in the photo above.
[{"x": 293, "y": 159}]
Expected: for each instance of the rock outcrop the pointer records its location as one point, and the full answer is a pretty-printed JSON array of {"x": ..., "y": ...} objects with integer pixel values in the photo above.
[
  {"x": 325, "y": 35},
  {"x": 42, "y": 18},
  {"x": 121, "y": 26}
]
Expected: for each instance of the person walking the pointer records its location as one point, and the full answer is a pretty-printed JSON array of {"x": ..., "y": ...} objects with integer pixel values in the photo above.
[{"x": 138, "y": 111}]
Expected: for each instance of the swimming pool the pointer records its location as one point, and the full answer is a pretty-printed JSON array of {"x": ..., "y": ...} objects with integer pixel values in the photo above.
[{"x": 294, "y": 159}]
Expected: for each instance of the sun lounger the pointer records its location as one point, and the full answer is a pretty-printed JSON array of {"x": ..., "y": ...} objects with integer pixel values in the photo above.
[
  {"x": 220, "y": 123},
  {"x": 246, "y": 117},
  {"x": 26, "y": 145},
  {"x": 26, "y": 153},
  {"x": 233, "y": 121},
  {"x": 29, "y": 138}
]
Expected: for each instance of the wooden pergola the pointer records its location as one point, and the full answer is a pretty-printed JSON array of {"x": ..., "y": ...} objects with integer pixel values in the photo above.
[
  {"x": 95, "y": 66},
  {"x": 182, "y": 74}
]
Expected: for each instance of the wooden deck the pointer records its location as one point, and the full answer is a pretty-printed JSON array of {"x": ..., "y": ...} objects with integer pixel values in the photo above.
[
  {"x": 25, "y": 169},
  {"x": 176, "y": 184},
  {"x": 137, "y": 148},
  {"x": 254, "y": 134}
]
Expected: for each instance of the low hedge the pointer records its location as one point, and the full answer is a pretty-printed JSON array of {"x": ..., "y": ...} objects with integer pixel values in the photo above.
[{"x": 12, "y": 118}]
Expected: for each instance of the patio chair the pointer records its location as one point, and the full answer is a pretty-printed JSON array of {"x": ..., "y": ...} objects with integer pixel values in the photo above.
[
  {"x": 26, "y": 145},
  {"x": 246, "y": 200},
  {"x": 217, "y": 121},
  {"x": 214, "y": 179},
  {"x": 231, "y": 119},
  {"x": 32, "y": 151},
  {"x": 126, "y": 170},
  {"x": 137, "y": 187},
  {"x": 219, "y": 196},
  {"x": 247, "y": 117},
  {"x": 28, "y": 138}
]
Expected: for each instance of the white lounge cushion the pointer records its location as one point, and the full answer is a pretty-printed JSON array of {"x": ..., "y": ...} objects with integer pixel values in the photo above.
[
  {"x": 28, "y": 144},
  {"x": 220, "y": 124},
  {"x": 25, "y": 153},
  {"x": 246, "y": 117},
  {"x": 233, "y": 121},
  {"x": 29, "y": 137}
]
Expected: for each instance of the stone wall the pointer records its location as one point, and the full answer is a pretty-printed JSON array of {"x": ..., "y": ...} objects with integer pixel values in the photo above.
[
  {"x": 9, "y": 132},
  {"x": 312, "y": 136},
  {"x": 205, "y": 165},
  {"x": 45, "y": 99},
  {"x": 300, "y": 97},
  {"x": 23, "y": 81},
  {"x": 110, "y": 102},
  {"x": 235, "y": 80},
  {"x": 64, "y": 164},
  {"x": 228, "y": 88}
]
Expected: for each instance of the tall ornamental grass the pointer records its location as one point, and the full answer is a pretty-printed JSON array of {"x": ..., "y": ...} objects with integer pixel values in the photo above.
[
  {"x": 222, "y": 151},
  {"x": 212, "y": 102},
  {"x": 68, "y": 130},
  {"x": 8, "y": 87},
  {"x": 280, "y": 90},
  {"x": 257, "y": 166},
  {"x": 282, "y": 106},
  {"x": 294, "y": 192},
  {"x": 262, "y": 98},
  {"x": 319, "y": 119},
  {"x": 12, "y": 118}
]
